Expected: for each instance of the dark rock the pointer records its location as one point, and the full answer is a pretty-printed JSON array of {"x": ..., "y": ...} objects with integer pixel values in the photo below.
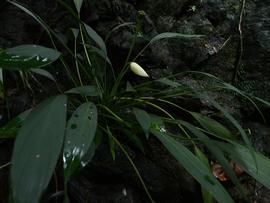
[
  {"x": 261, "y": 194},
  {"x": 21, "y": 28},
  {"x": 5, "y": 157},
  {"x": 159, "y": 8},
  {"x": 166, "y": 180},
  {"x": 260, "y": 137}
]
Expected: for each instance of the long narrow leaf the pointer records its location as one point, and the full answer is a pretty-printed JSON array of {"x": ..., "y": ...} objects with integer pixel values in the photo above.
[
  {"x": 88, "y": 90},
  {"x": 97, "y": 39},
  {"x": 266, "y": 103},
  {"x": 234, "y": 122},
  {"x": 1, "y": 77},
  {"x": 144, "y": 120},
  {"x": 44, "y": 73},
  {"x": 207, "y": 197},
  {"x": 242, "y": 156},
  {"x": 216, "y": 151},
  {"x": 195, "y": 167},
  {"x": 167, "y": 35},
  {"x": 213, "y": 126}
]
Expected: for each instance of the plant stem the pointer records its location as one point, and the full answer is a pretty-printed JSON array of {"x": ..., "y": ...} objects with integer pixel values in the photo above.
[
  {"x": 5, "y": 165},
  {"x": 241, "y": 43},
  {"x": 93, "y": 71},
  {"x": 126, "y": 64},
  {"x": 76, "y": 62}
]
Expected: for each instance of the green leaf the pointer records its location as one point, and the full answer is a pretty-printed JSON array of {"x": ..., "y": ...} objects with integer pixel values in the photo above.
[
  {"x": 144, "y": 120},
  {"x": 130, "y": 88},
  {"x": 112, "y": 143},
  {"x": 207, "y": 197},
  {"x": 230, "y": 118},
  {"x": 37, "y": 149},
  {"x": 266, "y": 103},
  {"x": 213, "y": 126},
  {"x": 88, "y": 90},
  {"x": 78, "y": 5},
  {"x": 11, "y": 129},
  {"x": 27, "y": 57},
  {"x": 194, "y": 166},
  {"x": 167, "y": 35},
  {"x": 134, "y": 139},
  {"x": 97, "y": 39},
  {"x": 89, "y": 154},
  {"x": 43, "y": 73},
  {"x": 216, "y": 151},
  {"x": 169, "y": 82},
  {"x": 80, "y": 133},
  {"x": 241, "y": 155},
  {"x": 101, "y": 54},
  {"x": 1, "y": 77},
  {"x": 157, "y": 122},
  {"x": 75, "y": 32}
]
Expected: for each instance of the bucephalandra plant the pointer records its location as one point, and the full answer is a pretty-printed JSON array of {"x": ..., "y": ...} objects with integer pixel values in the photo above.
[{"x": 67, "y": 125}]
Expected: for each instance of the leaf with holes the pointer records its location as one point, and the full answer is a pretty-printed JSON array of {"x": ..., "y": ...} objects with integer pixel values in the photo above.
[{"x": 81, "y": 130}]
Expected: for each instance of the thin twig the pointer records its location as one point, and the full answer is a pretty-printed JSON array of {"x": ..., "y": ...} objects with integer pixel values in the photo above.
[
  {"x": 240, "y": 46},
  {"x": 5, "y": 165}
]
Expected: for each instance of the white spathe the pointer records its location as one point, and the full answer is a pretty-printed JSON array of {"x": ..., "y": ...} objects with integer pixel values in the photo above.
[{"x": 138, "y": 70}]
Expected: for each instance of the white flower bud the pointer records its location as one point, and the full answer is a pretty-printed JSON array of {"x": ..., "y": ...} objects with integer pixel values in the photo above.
[{"x": 138, "y": 70}]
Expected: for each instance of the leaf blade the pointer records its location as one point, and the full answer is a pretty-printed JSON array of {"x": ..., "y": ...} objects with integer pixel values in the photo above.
[
  {"x": 168, "y": 35},
  {"x": 213, "y": 126},
  {"x": 97, "y": 39},
  {"x": 195, "y": 167},
  {"x": 87, "y": 90},
  {"x": 242, "y": 155},
  {"x": 78, "y": 5},
  {"x": 25, "y": 57},
  {"x": 37, "y": 149},
  {"x": 144, "y": 120},
  {"x": 80, "y": 133}
]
